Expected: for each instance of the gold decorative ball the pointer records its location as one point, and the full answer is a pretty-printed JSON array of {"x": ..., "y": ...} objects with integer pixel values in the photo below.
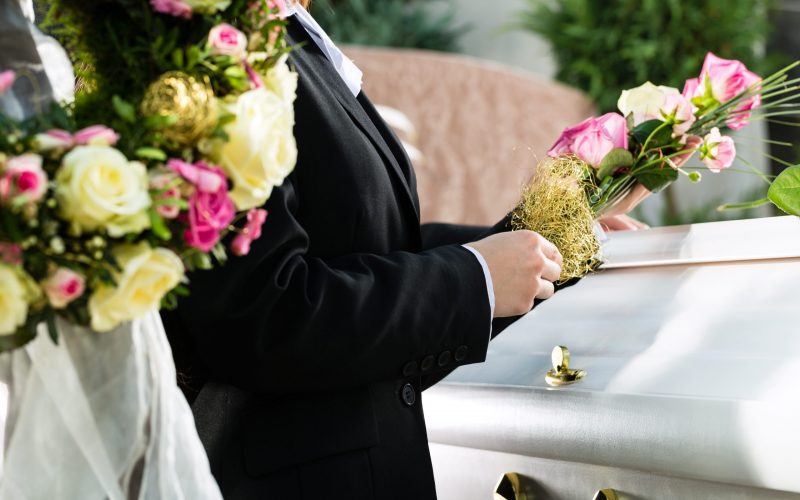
[{"x": 190, "y": 101}]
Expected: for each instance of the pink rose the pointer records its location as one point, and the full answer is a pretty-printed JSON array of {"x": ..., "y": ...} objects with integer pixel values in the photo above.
[
  {"x": 680, "y": 110},
  {"x": 201, "y": 176},
  {"x": 210, "y": 213},
  {"x": 592, "y": 139},
  {"x": 717, "y": 151},
  {"x": 7, "y": 80},
  {"x": 177, "y": 8},
  {"x": 250, "y": 233},
  {"x": 226, "y": 40},
  {"x": 159, "y": 182},
  {"x": 691, "y": 88},
  {"x": 741, "y": 115},
  {"x": 726, "y": 78},
  {"x": 563, "y": 145},
  {"x": 23, "y": 176},
  {"x": 55, "y": 139},
  {"x": 11, "y": 253},
  {"x": 96, "y": 135},
  {"x": 63, "y": 286},
  {"x": 280, "y": 5}
]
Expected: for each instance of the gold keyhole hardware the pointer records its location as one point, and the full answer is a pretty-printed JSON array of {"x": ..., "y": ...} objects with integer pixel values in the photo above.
[{"x": 561, "y": 374}]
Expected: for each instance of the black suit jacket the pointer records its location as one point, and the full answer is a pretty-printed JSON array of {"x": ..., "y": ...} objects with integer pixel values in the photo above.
[{"x": 310, "y": 354}]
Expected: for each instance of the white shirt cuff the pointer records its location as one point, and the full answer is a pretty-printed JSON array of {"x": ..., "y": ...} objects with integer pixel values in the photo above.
[{"x": 489, "y": 284}]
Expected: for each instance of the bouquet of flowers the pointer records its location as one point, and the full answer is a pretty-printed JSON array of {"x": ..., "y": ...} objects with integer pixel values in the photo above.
[
  {"x": 598, "y": 164},
  {"x": 105, "y": 203}
]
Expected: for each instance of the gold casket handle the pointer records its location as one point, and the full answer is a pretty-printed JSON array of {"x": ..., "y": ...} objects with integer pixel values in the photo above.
[
  {"x": 510, "y": 487},
  {"x": 606, "y": 494}
]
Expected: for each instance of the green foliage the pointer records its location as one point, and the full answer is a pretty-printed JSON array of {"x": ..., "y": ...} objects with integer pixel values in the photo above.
[
  {"x": 615, "y": 159},
  {"x": 119, "y": 47},
  {"x": 605, "y": 47},
  {"x": 785, "y": 191},
  {"x": 656, "y": 179},
  {"x": 389, "y": 23}
]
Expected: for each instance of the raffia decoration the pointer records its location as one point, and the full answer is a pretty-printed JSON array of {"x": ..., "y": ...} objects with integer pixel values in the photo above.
[
  {"x": 555, "y": 205},
  {"x": 187, "y": 99}
]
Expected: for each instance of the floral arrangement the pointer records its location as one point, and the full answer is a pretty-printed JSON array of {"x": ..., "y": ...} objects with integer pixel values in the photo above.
[
  {"x": 596, "y": 165},
  {"x": 100, "y": 218}
]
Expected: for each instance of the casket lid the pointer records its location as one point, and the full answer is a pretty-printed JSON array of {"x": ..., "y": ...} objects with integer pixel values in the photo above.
[{"x": 691, "y": 340}]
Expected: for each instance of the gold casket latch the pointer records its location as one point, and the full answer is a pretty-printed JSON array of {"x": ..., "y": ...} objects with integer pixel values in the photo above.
[{"x": 561, "y": 374}]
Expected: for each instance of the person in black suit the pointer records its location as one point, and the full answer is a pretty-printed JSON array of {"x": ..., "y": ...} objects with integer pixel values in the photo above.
[{"x": 307, "y": 358}]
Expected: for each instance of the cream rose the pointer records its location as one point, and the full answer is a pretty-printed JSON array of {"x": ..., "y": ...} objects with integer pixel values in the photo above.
[
  {"x": 17, "y": 291},
  {"x": 261, "y": 151},
  {"x": 147, "y": 275},
  {"x": 644, "y": 102},
  {"x": 98, "y": 188}
]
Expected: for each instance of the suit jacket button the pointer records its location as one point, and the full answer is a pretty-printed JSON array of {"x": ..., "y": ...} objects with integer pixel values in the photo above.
[
  {"x": 461, "y": 353},
  {"x": 410, "y": 368},
  {"x": 409, "y": 395},
  {"x": 427, "y": 363},
  {"x": 444, "y": 358}
]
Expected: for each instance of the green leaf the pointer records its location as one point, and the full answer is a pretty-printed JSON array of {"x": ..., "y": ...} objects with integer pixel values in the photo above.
[
  {"x": 644, "y": 130},
  {"x": 158, "y": 226},
  {"x": 616, "y": 158},
  {"x": 151, "y": 154},
  {"x": 173, "y": 202},
  {"x": 177, "y": 58},
  {"x": 235, "y": 72},
  {"x": 193, "y": 56},
  {"x": 158, "y": 122},
  {"x": 657, "y": 178},
  {"x": 202, "y": 261},
  {"x": 785, "y": 191},
  {"x": 124, "y": 109},
  {"x": 50, "y": 319},
  {"x": 226, "y": 119}
]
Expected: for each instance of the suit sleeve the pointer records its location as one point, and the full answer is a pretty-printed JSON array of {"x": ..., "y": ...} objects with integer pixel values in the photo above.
[
  {"x": 280, "y": 320},
  {"x": 439, "y": 234}
]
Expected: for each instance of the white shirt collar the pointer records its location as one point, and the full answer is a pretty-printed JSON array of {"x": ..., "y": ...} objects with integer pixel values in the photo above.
[{"x": 351, "y": 75}]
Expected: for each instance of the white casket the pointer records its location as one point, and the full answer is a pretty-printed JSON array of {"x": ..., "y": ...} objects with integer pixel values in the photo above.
[{"x": 690, "y": 338}]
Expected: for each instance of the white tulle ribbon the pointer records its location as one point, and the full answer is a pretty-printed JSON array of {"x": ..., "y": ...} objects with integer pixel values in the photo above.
[{"x": 100, "y": 416}]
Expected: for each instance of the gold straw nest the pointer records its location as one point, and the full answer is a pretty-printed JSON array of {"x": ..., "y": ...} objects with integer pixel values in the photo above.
[{"x": 554, "y": 204}]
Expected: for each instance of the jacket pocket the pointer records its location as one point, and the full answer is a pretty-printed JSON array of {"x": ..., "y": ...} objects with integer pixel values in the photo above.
[{"x": 295, "y": 430}]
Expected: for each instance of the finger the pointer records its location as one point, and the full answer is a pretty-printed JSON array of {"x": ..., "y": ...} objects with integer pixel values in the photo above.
[
  {"x": 546, "y": 289},
  {"x": 559, "y": 259},
  {"x": 551, "y": 271},
  {"x": 638, "y": 224},
  {"x": 548, "y": 249},
  {"x": 618, "y": 223}
]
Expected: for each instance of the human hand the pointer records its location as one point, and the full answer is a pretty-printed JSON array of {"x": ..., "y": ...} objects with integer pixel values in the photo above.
[
  {"x": 621, "y": 223},
  {"x": 523, "y": 266}
]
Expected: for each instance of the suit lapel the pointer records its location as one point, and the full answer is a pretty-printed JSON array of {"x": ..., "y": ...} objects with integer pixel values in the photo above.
[{"x": 312, "y": 61}]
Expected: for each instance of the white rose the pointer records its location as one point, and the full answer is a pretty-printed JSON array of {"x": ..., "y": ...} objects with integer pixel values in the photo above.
[
  {"x": 261, "y": 151},
  {"x": 282, "y": 81},
  {"x": 644, "y": 102},
  {"x": 147, "y": 275},
  {"x": 17, "y": 291},
  {"x": 98, "y": 188},
  {"x": 208, "y": 6}
]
